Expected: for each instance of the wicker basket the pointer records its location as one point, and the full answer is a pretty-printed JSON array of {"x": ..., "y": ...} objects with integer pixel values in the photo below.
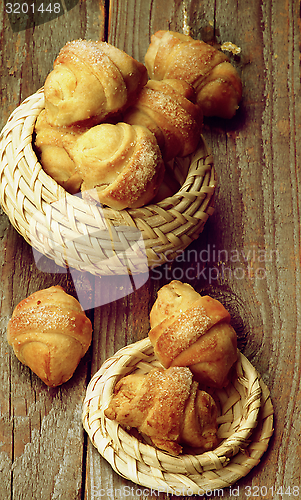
[
  {"x": 87, "y": 236},
  {"x": 243, "y": 406}
]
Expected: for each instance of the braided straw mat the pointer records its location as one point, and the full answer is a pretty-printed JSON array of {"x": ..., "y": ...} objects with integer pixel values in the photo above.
[
  {"x": 244, "y": 405},
  {"x": 85, "y": 235}
]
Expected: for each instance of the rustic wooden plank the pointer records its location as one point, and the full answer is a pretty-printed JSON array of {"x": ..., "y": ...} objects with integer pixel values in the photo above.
[
  {"x": 248, "y": 255},
  {"x": 265, "y": 171}
]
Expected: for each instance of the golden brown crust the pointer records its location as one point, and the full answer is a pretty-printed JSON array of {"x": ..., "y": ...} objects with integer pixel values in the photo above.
[
  {"x": 91, "y": 81},
  {"x": 54, "y": 158},
  {"x": 186, "y": 328},
  {"x": 216, "y": 82},
  {"x": 165, "y": 405},
  {"x": 194, "y": 331},
  {"x": 166, "y": 109},
  {"x": 121, "y": 164},
  {"x": 212, "y": 356},
  {"x": 50, "y": 333},
  {"x": 199, "y": 422},
  {"x": 172, "y": 299},
  {"x": 177, "y": 297}
]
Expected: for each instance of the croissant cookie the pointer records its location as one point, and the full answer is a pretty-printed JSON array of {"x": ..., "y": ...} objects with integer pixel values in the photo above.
[
  {"x": 91, "y": 80},
  {"x": 188, "y": 329},
  {"x": 54, "y": 158},
  {"x": 169, "y": 110},
  {"x": 50, "y": 333},
  {"x": 168, "y": 407},
  {"x": 121, "y": 164},
  {"x": 215, "y": 80}
]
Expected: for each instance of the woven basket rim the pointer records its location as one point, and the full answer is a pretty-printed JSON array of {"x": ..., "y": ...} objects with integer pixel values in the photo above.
[
  {"x": 150, "y": 467},
  {"x": 63, "y": 227}
]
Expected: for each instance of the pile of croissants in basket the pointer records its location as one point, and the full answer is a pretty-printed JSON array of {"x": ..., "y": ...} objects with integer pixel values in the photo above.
[
  {"x": 170, "y": 405},
  {"x": 111, "y": 124}
]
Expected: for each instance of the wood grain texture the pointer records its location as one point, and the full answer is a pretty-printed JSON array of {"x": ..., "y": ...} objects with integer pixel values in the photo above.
[{"x": 248, "y": 255}]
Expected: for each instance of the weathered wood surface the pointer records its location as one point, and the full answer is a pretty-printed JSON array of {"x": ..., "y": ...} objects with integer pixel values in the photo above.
[{"x": 248, "y": 255}]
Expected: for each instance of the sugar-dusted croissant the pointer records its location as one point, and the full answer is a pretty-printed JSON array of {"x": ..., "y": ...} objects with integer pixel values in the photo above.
[
  {"x": 168, "y": 407},
  {"x": 54, "y": 158},
  {"x": 188, "y": 329},
  {"x": 168, "y": 109},
  {"x": 121, "y": 164},
  {"x": 216, "y": 82},
  {"x": 50, "y": 333},
  {"x": 91, "y": 80}
]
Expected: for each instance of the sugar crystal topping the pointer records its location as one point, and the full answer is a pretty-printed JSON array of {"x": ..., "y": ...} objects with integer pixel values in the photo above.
[
  {"x": 172, "y": 389},
  {"x": 186, "y": 329}
]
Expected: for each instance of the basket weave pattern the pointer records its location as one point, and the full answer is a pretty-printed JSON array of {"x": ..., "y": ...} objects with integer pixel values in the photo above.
[
  {"x": 243, "y": 406},
  {"x": 65, "y": 228}
]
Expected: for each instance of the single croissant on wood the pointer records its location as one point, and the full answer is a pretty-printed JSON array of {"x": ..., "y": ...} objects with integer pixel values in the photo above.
[
  {"x": 50, "y": 333},
  {"x": 91, "y": 81},
  {"x": 188, "y": 329},
  {"x": 168, "y": 109},
  {"x": 168, "y": 407},
  {"x": 121, "y": 164},
  {"x": 215, "y": 80}
]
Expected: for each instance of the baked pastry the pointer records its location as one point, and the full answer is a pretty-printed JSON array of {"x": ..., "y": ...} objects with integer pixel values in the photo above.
[
  {"x": 168, "y": 109},
  {"x": 168, "y": 407},
  {"x": 215, "y": 80},
  {"x": 50, "y": 333},
  {"x": 54, "y": 158},
  {"x": 188, "y": 329},
  {"x": 121, "y": 164},
  {"x": 91, "y": 81}
]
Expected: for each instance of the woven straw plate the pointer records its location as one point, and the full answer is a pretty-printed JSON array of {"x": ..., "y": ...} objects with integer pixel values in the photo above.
[
  {"x": 87, "y": 236},
  {"x": 243, "y": 406}
]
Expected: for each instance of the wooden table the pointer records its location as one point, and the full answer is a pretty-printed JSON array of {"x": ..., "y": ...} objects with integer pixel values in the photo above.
[{"x": 252, "y": 241}]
